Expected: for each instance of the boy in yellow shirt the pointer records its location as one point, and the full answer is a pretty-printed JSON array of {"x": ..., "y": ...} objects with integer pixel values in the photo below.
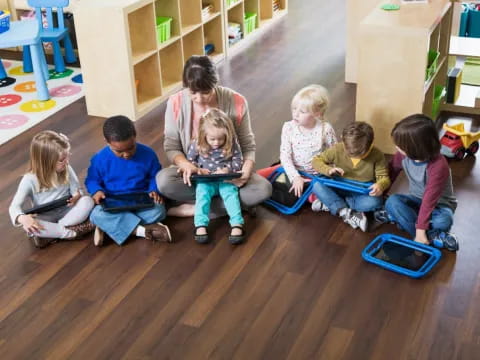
[{"x": 354, "y": 158}]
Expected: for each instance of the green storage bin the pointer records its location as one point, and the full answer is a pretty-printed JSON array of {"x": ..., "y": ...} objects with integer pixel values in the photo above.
[
  {"x": 432, "y": 61},
  {"x": 438, "y": 93},
  {"x": 250, "y": 22},
  {"x": 164, "y": 28}
]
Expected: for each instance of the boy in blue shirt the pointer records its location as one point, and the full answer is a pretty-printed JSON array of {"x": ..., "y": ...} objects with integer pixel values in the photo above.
[{"x": 125, "y": 166}]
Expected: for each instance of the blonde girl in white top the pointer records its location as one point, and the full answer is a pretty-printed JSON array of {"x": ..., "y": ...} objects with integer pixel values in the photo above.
[
  {"x": 306, "y": 135},
  {"x": 50, "y": 177}
]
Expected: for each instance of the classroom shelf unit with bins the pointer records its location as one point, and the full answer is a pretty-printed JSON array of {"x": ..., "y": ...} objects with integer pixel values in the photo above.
[
  {"x": 402, "y": 65},
  {"x": 251, "y": 15},
  {"x": 126, "y": 68}
]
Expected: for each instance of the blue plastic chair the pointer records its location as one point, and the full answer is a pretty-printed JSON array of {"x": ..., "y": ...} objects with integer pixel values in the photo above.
[
  {"x": 26, "y": 33},
  {"x": 434, "y": 255},
  {"x": 52, "y": 34},
  {"x": 301, "y": 200},
  {"x": 3, "y": 73}
]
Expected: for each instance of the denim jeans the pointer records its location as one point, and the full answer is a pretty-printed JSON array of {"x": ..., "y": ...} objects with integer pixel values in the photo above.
[
  {"x": 403, "y": 209},
  {"x": 120, "y": 225},
  {"x": 336, "y": 199},
  {"x": 229, "y": 194}
]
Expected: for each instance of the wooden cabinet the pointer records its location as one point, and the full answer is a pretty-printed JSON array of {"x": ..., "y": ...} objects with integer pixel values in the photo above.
[
  {"x": 266, "y": 12},
  {"x": 126, "y": 69},
  {"x": 392, "y": 64}
]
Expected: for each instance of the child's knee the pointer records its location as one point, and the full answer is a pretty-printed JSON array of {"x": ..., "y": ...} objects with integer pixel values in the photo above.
[
  {"x": 392, "y": 202},
  {"x": 86, "y": 202}
]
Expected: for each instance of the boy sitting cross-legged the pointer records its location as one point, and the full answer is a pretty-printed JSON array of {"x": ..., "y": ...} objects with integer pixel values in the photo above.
[{"x": 125, "y": 166}]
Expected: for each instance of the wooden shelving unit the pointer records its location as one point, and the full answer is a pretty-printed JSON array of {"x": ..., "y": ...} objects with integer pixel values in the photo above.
[
  {"x": 265, "y": 15},
  {"x": 392, "y": 63},
  {"x": 126, "y": 70}
]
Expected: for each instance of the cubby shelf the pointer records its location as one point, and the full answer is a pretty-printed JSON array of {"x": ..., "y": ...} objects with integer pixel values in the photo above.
[
  {"x": 125, "y": 67},
  {"x": 392, "y": 64}
]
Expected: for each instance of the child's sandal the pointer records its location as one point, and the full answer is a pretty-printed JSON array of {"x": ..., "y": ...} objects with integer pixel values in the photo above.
[
  {"x": 201, "y": 239},
  {"x": 237, "y": 239}
]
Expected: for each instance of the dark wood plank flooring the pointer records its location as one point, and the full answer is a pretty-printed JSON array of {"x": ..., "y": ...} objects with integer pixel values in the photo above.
[{"x": 298, "y": 289}]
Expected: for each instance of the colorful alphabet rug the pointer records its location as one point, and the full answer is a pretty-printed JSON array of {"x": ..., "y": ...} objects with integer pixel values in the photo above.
[{"x": 19, "y": 107}]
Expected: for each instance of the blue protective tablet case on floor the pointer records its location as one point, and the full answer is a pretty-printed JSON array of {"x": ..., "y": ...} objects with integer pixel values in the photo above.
[{"x": 406, "y": 247}]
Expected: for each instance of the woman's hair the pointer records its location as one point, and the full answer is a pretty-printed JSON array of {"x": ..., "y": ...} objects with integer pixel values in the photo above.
[
  {"x": 118, "y": 128},
  {"x": 46, "y": 149},
  {"x": 357, "y": 138},
  {"x": 218, "y": 119},
  {"x": 312, "y": 98},
  {"x": 417, "y": 136},
  {"x": 199, "y": 74}
]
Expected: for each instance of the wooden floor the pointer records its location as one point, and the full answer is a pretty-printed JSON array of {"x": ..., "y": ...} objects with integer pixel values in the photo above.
[{"x": 298, "y": 289}]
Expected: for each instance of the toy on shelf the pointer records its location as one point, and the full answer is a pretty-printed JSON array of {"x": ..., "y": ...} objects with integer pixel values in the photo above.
[
  {"x": 456, "y": 142},
  {"x": 397, "y": 254},
  {"x": 358, "y": 187}
]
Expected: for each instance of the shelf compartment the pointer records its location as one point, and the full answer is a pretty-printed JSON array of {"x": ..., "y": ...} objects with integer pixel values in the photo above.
[
  {"x": 190, "y": 14},
  {"x": 141, "y": 27},
  {"x": 171, "y": 61},
  {"x": 282, "y": 10},
  {"x": 193, "y": 44},
  {"x": 252, "y": 7},
  {"x": 214, "y": 12},
  {"x": 147, "y": 74},
  {"x": 213, "y": 34},
  {"x": 236, "y": 15},
  {"x": 230, "y": 4},
  {"x": 171, "y": 9},
  {"x": 266, "y": 11}
]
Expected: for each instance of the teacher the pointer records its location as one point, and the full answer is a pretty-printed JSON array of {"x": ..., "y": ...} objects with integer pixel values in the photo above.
[{"x": 182, "y": 117}]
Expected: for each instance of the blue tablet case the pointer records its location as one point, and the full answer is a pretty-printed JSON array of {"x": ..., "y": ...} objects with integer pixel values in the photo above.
[
  {"x": 406, "y": 246},
  {"x": 288, "y": 210},
  {"x": 358, "y": 187}
]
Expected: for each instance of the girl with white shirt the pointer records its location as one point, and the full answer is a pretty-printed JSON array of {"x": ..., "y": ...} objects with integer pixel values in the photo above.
[
  {"x": 50, "y": 177},
  {"x": 306, "y": 135}
]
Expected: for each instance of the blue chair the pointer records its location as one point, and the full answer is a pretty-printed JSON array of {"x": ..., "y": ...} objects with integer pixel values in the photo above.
[
  {"x": 52, "y": 34},
  {"x": 3, "y": 73},
  {"x": 27, "y": 34}
]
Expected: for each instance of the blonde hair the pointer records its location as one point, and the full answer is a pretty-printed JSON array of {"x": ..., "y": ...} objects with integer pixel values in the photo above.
[
  {"x": 218, "y": 119},
  {"x": 312, "y": 98},
  {"x": 45, "y": 151}
]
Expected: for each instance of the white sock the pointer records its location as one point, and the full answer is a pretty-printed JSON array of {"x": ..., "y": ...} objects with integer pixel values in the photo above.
[{"x": 140, "y": 231}]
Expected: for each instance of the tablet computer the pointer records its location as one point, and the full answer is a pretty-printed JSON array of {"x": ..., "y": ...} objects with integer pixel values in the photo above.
[
  {"x": 49, "y": 206},
  {"x": 215, "y": 177},
  {"x": 127, "y": 202}
]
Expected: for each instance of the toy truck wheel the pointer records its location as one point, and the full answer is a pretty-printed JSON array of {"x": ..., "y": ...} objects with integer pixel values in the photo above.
[
  {"x": 460, "y": 153},
  {"x": 473, "y": 148}
]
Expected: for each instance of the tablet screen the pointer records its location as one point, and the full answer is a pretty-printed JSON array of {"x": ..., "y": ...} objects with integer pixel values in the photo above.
[
  {"x": 215, "y": 177},
  {"x": 402, "y": 256},
  {"x": 132, "y": 201}
]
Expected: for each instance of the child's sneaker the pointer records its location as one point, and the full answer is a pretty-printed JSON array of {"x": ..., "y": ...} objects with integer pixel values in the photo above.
[
  {"x": 317, "y": 206},
  {"x": 81, "y": 229},
  {"x": 382, "y": 217},
  {"x": 158, "y": 232},
  {"x": 355, "y": 219},
  {"x": 442, "y": 239}
]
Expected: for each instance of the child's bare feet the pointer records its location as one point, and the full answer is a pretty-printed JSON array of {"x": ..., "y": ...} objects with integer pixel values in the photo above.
[{"x": 184, "y": 210}]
